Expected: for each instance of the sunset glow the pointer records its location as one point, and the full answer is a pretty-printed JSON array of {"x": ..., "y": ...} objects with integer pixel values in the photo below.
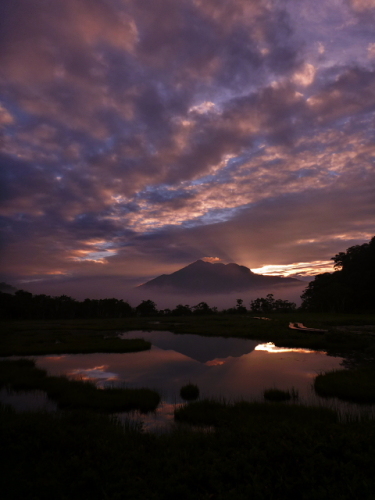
[
  {"x": 138, "y": 137},
  {"x": 297, "y": 269}
]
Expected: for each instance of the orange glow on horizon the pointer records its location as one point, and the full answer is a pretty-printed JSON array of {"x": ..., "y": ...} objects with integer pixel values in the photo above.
[{"x": 297, "y": 268}]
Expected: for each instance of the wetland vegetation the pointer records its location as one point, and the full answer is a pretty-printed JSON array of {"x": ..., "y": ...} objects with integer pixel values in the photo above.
[
  {"x": 257, "y": 450},
  {"x": 89, "y": 335},
  {"x": 245, "y": 450},
  {"x": 355, "y": 385},
  {"x": 278, "y": 395},
  {"x": 22, "y": 375}
]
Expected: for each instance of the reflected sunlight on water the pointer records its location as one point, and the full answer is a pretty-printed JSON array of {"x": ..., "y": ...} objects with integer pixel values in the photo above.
[
  {"x": 229, "y": 368},
  {"x": 270, "y": 347}
]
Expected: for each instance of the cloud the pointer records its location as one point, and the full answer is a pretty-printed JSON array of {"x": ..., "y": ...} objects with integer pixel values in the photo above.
[
  {"x": 362, "y": 5},
  {"x": 211, "y": 259},
  {"x": 305, "y": 76},
  {"x": 137, "y": 138}
]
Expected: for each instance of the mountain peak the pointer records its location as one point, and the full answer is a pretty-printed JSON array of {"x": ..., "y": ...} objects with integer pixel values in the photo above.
[{"x": 201, "y": 276}]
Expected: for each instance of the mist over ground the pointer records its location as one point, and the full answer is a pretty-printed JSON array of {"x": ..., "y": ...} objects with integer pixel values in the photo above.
[
  {"x": 291, "y": 292},
  {"x": 109, "y": 288}
]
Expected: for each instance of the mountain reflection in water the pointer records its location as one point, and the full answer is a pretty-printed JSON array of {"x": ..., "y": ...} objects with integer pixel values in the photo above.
[{"x": 222, "y": 367}]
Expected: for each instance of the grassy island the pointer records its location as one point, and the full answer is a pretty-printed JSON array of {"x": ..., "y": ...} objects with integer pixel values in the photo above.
[{"x": 22, "y": 375}]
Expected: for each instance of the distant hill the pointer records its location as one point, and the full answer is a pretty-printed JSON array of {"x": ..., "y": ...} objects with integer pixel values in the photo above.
[{"x": 205, "y": 277}]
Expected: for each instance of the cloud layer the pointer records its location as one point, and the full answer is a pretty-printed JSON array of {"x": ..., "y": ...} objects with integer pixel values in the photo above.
[{"x": 138, "y": 136}]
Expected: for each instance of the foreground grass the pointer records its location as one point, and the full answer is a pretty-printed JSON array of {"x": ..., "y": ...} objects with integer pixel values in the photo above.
[
  {"x": 22, "y": 375},
  {"x": 258, "y": 451},
  {"x": 356, "y": 385},
  {"x": 212, "y": 412},
  {"x": 278, "y": 395}
]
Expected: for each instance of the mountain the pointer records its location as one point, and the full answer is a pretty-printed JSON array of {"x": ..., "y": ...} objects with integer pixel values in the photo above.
[{"x": 203, "y": 276}]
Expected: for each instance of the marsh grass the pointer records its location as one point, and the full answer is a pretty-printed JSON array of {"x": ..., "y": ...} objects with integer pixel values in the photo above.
[
  {"x": 22, "y": 375},
  {"x": 30, "y": 342},
  {"x": 189, "y": 392},
  {"x": 258, "y": 451},
  {"x": 278, "y": 395},
  {"x": 221, "y": 413},
  {"x": 356, "y": 385}
]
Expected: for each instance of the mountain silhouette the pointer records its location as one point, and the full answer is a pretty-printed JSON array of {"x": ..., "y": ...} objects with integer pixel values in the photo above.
[{"x": 201, "y": 276}]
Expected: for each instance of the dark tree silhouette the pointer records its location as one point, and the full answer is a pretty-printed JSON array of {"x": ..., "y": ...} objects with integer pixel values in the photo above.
[
  {"x": 24, "y": 305},
  {"x": 146, "y": 308},
  {"x": 203, "y": 308},
  {"x": 181, "y": 310},
  {"x": 240, "y": 308},
  {"x": 350, "y": 288},
  {"x": 270, "y": 304}
]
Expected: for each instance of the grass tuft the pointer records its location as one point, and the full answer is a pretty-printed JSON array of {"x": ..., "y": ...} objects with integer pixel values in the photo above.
[
  {"x": 277, "y": 395},
  {"x": 357, "y": 386}
]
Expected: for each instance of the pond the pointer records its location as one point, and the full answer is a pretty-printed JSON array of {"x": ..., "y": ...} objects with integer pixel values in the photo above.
[{"x": 229, "y": 368}]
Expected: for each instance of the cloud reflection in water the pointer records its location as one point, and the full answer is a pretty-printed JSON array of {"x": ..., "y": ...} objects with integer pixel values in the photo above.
[{"x": 96, "y": 374}]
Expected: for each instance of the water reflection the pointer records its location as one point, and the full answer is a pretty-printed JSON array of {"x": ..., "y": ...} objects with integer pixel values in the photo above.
[
  {"x": 221, "y": 367},
  {"x": 270, "y": 347},
  {"x": 97, "y": 373},
  {"x": 196, "y": 347},
  {"x": 26, "y": 401}
]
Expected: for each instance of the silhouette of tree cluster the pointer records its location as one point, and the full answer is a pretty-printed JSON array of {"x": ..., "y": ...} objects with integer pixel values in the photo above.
[
  {"x": 24, "y": 305},
  {"x": 351, "y": 288},
  {"x": 146, "y": 308},
  {"x": 271, "y": 305}
]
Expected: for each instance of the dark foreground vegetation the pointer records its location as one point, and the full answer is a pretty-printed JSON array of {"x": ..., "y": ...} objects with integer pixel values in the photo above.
[
  {"x": 22, "y": 375},
  {"x": 31, "y": 338},
  {"x": 257, "y": 451},
  {"x": 278, "y": 395},
  {"x": 356, "y": 385}
]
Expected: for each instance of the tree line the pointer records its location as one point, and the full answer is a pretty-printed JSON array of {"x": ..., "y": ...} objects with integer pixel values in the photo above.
[
  {"x": 350, "y": 288},
  {"x": 25, "y": 305}
]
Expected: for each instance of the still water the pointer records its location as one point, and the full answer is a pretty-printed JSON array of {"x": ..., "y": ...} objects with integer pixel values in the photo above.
[{"x": 227, "y": 368}]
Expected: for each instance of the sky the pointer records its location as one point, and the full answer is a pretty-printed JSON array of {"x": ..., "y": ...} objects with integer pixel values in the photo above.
[{"x": 138, "y": 136}]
